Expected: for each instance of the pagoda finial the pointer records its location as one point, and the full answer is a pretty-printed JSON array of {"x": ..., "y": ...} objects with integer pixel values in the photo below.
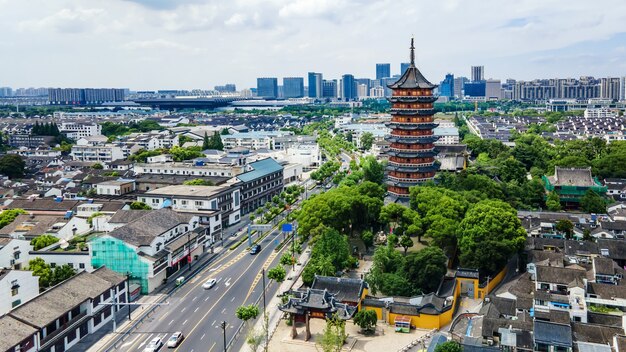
[{"x": 412, "y": 51}]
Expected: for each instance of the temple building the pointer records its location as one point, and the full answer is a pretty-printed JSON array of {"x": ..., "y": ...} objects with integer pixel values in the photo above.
[{"x": 412, "y": 150}]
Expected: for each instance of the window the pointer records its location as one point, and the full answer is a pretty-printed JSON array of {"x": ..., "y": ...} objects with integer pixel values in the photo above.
[
  {"x": 53, "y": 265},
  {"x": 81, "y": 265},
  {"x": 16, "y": 303}
]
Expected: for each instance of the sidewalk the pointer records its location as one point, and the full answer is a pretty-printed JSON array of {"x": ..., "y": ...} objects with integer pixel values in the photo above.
[{"x": 274, "y": 314}]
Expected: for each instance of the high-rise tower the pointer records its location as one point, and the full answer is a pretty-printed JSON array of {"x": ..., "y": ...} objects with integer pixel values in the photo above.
[{"x": 412, "y": 151}]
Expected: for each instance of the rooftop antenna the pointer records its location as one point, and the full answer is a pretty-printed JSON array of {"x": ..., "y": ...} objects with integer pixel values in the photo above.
[{"x": 412, "y": 50}]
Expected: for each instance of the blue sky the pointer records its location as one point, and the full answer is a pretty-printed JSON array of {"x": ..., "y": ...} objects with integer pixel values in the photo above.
[{"x": 186, "y": 44}]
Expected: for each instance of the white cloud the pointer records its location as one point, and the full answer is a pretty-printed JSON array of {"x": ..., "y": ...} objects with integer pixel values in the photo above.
[
  {"x": 66, "y": 21},
  {"x": 161, "y": 44}
]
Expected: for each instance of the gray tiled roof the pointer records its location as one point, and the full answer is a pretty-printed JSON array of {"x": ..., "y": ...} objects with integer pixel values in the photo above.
[
  {"x": 344, "y": 289},
  {"x": 553, "y": 334},
  {"x": 126, "y": 216},
  {"x": 594, "y": 333},
  {"x": 145, "y": 229},
  {"x": 13, "y": 331},
  {"x": 572, "y": 177},
  {"x": 555, "y": 275},
  {"x": 48, "y": 306}
]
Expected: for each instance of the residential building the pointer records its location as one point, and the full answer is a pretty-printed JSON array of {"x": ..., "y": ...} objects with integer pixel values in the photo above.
[
  {"x": 59, "y": 318},
  {"x": 191, "y": 169},
  {"x": 115, "y": 187},
  {"x": 348, "y": 87},
  {"x": 315, "y": 85},
  {"x": 599, "y": 113},
  {"x": 85, "y": 96},
  {"x": 224, "y": 200},
  {"x": 14, "y": 252},
  {"x": 77, "y": 130},
  {"x": 446, "y": 88},
  {"x": 610, "y": 88},
  {"x": 16, "y": 287},
  {"x": 447, "y": 135},
  {"x": 267, "y": 87},
  {"x": 253, "y": 140},
  {"x": 227, "y": 88},
  {"x": 96, "y": 149},
  {"x": 412, "y": 151},
  {"x": 478, "y": 73},
  {"x": 151, "y": 140},
  {"x": 261, "y": 181},
  {"x": 154, "y": 246},
  {"x": 23, "y": 140},
  {"x": 293, "y": 87},
  {"x": 383, "y": 71}
]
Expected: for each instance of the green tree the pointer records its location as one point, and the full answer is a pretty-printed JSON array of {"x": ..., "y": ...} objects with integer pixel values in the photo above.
[
  {"x": 205, "y": 142},
  {"x": 248, "y": 312},
  {"x": 43, "y": 241},
  {"x": 511, "y": 169},
  {"x": 97, "y": 166},
  {"x": 62, "y": 273},
  {"x": 286, "y": 259},
  {"x": 277, "y": 274},
  {"x": 449, "y": 346},
  {"x": 367, "y": 237},
  {"x": 488, "y": 235},
  {"x": 334, "y": 335},
  {"x": 8, "y": 216},
  {"x": 373, "y": 171},
  {"x": 587, "y": 235},
  {"x": 565, "y": 227},
  {"x": 39, "y": 268},
  {"x": 367, "y": 140},
  {"x": 424, "y": 269},
  {"x": 553, "y": 202},
  {"x": 216, "y": 141},
  {"x": 592, "y": 202},
  {"x": 224, "y": 131},
  {"x": 406, "y": 242},
  {"x": 366, "y": 320},
  {"x": 12, "y": 166},
  {"x": 198, "y": 182},
  {"x": 139, "y": 206}
]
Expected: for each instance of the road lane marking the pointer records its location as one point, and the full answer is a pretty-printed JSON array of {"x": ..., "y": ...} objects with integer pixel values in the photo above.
[
  {"x": 182, "y": 310},
  {"x": 213, "y": 324},
  {"x": 232, "y": 299},
  {"x": 217, "y": 301},
  {"x": 258, "y": 277},
  {"x": 171, "y": 322},
  {"x": 195, "y": 310},
  {"x": 222, "y": 267},
  {"x": 212, "y": 346},
  {"x": 201, "y": 337},
  {"x": 195, "y": 298},
  {"x": 206, "y": 299},
  {"x": 185, "y": 322}
]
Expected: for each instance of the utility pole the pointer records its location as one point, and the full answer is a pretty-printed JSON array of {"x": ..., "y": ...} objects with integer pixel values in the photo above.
[{"x": 223, "y": 325}]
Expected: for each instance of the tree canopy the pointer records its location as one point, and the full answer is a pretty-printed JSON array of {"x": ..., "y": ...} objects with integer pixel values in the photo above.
[{"x": 12, "y": 166}]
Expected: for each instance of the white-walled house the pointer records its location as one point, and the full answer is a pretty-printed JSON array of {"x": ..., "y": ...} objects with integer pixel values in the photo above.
[{"x": 16, "y": 287}]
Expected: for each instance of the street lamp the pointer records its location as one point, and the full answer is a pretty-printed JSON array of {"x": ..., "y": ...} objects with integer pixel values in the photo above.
[
  {"x": 223, "y": 325},
  {"x": 189, "y": 249}
]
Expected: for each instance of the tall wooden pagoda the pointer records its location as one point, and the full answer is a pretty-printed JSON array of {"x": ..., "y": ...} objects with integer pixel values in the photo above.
[{"x": 412, "y": 150}]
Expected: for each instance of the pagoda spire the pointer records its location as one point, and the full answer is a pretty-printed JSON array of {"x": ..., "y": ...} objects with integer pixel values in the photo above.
[{"x": 412, "y": 52}]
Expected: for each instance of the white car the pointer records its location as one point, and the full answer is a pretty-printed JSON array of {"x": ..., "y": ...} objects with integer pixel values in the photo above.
[
  {"x": 210, "y": 283},
  {"x": 175, "y": 339},
  {"x": 154, "y": 345}
]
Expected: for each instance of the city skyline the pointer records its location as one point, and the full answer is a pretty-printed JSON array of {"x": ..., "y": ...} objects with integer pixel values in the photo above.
[{"x": 196, "y": 44}]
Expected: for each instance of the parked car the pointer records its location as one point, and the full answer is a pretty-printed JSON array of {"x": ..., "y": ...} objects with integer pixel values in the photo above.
[
  {"x": 210, "y": 283},
  {"x": 175, "y": 339},
  {"x": 255, "y": 249},
  {"x": 154, "y": 345}
]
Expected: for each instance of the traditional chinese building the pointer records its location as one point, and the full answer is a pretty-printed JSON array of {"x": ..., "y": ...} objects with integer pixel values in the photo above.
[{"x": 412, "y": 150}]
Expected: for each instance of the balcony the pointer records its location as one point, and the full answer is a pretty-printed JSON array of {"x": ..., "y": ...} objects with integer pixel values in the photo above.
[
  {"x": 413, "y": 112},
  {"x": 412, "y": 153},
  {"x": 411, "y": 125},
  {"x": 432, "y": 167},
  {"x": 50, "y": 339}
]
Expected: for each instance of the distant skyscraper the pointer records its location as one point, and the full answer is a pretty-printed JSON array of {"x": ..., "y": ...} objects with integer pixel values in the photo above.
[
  {"x": 459, "y": 84},
  {"x": 267, "y": 87},
  {"x": 329, "y": 89},
  {"x": 622, "y": 88},
  {"x": 474, "y": 89},
  {"x": 6, "y": 92},
  {"x": 446, "y": 88},
  {"x": 403, "y": 67},
  {"x": 610, "y": 88},
  {"x": 293, "y": 87},
  {"x": 493, "y": 89},
  {"x": 478, "y": 73},
  {"x": 227, "y": 88},
  {"x": 348, "y": 87},
  {"x": 315, "y": 85},
  {"x": 363, "y": 81},
  {"x": 383, "y": 71}
]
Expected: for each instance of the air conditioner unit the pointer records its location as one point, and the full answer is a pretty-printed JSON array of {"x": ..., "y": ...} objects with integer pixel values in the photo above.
[{"x": 490, "y": 342}]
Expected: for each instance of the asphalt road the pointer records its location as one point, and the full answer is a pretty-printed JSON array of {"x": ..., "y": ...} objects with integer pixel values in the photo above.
[{"x": 198, "y": 312}]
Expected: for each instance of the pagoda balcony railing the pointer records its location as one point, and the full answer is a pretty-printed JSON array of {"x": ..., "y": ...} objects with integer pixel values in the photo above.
[
  {"x": 423, "y": 135},
  {"x": 402, "y": 111},
  {"x": 406, "y": 150},
  {"x": 398, "y": 194},
  {"x": 413, "y": 98},
  {"x": 410, "y": 180},
  {"x": 394, "y": 163}
]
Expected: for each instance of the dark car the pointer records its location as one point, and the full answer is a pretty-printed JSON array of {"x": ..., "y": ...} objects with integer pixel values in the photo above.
[{"x": 255, "y": 249}]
